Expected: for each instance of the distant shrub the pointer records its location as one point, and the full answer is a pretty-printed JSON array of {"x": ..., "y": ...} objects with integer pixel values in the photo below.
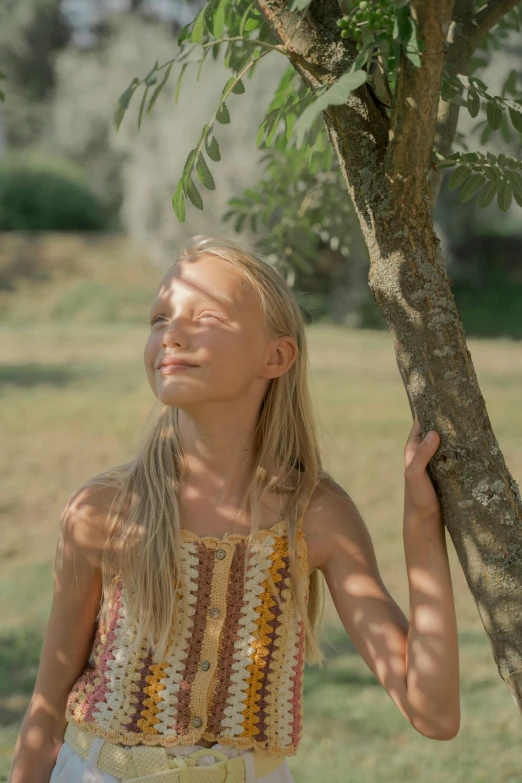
[{"x": 40, "y": 192}]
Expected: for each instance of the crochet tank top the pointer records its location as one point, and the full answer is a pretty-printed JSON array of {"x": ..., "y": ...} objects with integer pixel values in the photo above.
[{"x": 237, "y": 676}]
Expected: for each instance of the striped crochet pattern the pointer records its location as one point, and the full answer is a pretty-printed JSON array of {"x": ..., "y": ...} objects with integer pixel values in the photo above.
[{"x": 237, "y": 676}]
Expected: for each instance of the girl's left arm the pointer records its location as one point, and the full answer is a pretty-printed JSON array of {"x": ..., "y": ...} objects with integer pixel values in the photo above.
[{"x": 416, "y": 661}]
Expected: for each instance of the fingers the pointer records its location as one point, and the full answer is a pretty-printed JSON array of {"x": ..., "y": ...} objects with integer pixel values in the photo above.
[
  {"x": 424, "y": 452},
  {"x": 418, "y": 449}
]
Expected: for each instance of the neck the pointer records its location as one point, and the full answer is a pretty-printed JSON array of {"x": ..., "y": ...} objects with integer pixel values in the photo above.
[{"x": 217, "y": 453}]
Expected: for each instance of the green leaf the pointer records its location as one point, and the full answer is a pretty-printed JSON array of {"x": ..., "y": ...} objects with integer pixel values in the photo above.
[
  {"x": 251, "y": 24},
  {"x": 336, "y": 95},
  {"x": 219, "y": 20},
  {"x": 239, "y": 87},
  {"x": 402, "y": 27},
  {"x": 222, "y": 115},
  {"x": 123, "y": 102},
  {"x": 184, "y": 33},
  {"x": 198, "y": 29},
  {"x": 510, "y": 85},
  {"x": 518, "y": 197},
  {"x": 473, "y": 103},
  {"x": 447, "y": 89},
  {"x": 516, "y": 118},
  {"x": 493, "y": 115},
  {"x": 505, "y": 195},
  {"x": 205, "y": 53},
  {"x": 159, "y": 88},
  {"x": 261, "y": 133},
  {"x": 272, "y": 122},
  {"x": 244, "y": 19},
  {"x": 178, "y": 85},
  {"x": 204, "y": 173},
  {"x": 194, "y": 194},
  {"x": 142, "y": 105},
  {"x": 487, "y": 194},
  {"x": 471, "y": 186},
  {"x": 459, "y": 176},
  {"x": 212, "y": 148},
  {"x": 505, "y": 128},
  {"x": 187, "y": 169},
  {"x": 178, "y": 202},
  {"x": 289, "y": 124},
  {"x": 486, "y": 133}
]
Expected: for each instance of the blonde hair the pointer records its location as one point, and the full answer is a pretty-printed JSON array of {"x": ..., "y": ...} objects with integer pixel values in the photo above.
[{"x": 145, "y": 526}]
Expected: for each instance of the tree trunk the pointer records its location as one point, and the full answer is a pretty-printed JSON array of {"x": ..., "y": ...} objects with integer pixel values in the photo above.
[{"x": 387, "y": 167}]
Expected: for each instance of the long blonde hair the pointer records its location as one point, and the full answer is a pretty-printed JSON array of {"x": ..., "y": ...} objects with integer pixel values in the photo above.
[{"x": 144, "y": 520}]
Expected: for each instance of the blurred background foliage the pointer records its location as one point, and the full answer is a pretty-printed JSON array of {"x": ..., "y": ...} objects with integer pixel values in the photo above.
[{"x": 63, "y": 167}]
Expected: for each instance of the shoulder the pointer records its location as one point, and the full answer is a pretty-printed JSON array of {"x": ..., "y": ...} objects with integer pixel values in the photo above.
[
  {"x": 328, "y": 500},
  {"x": 84, "y": 523},
  {"x": 332, "y": 522}
]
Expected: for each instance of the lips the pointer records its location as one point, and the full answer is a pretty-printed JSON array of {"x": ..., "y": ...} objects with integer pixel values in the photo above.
[{"x": 176, "y": 362}]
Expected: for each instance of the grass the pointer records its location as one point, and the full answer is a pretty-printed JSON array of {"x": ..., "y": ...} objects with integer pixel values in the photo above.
[{"x": 74, "y": 396}]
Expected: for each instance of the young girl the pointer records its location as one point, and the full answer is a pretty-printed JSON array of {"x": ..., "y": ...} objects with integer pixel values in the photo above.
[{"x": 188, "y": 582}]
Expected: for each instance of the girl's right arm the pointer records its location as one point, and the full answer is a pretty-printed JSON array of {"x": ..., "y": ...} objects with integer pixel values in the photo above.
[{"x": 69, "y": 635}]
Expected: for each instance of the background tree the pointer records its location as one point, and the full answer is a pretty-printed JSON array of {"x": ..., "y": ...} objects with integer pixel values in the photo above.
[
  {"x": 381, "y": 80},
  {"x": 31, "y": 33}
]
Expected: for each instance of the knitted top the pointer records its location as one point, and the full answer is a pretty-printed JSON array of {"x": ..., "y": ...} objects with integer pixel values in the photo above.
[{"x": 237, "y": 676}]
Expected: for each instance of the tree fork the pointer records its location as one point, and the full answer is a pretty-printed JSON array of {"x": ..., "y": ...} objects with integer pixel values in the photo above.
[{"x": 387, "y": 168}]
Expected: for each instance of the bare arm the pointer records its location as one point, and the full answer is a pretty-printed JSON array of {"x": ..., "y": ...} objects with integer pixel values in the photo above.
[
  {"x": 68, "y": 637},
  {"x": 416, "y": 661}
]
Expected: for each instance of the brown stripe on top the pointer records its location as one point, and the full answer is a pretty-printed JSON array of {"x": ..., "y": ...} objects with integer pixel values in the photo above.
[
  {"x": 262, "y": 736},
  {"x": 141, "y": 684},
  {"x": 235, "y": 602},
  {"x": 206, "y": 558}
]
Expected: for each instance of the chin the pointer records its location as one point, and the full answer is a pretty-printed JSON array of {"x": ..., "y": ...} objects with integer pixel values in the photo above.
[{"x": 175, "y": 398}]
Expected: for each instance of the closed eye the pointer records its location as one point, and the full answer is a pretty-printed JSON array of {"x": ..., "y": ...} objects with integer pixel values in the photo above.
[{"x": 156, "y": 318}]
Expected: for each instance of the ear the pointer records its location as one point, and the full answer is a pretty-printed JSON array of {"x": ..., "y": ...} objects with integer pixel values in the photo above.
[{"x": 282, "y": 355}]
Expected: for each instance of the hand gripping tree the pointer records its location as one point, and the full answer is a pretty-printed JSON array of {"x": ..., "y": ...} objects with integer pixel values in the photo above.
[{"x": 378, "y": 86}]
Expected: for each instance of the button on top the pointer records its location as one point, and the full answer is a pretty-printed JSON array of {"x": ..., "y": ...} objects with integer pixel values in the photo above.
[
  {"x": 220, "y": 554},
  {"x": 205, "y": 665},
  {"x": 214, "y": 612},
  {"x": 196, "y": 722}
]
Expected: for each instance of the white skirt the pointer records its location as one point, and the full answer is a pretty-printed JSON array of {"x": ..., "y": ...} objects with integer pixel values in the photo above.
[{"x": 71, "y": 768}]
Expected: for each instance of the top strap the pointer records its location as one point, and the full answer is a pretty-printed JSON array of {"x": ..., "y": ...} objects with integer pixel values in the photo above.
[{"x": 303, "y": 512}]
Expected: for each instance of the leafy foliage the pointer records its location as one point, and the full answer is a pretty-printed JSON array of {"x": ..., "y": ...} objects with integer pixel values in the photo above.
[
  {"x": 472, "y": 94},
  {"x": 295, "y": 208},
  {"x": 382, "y": 29},
  {"x": 385, "y": 36},
  {"x": 238, "y": 25},
  {"x": 488, "y": 175}
]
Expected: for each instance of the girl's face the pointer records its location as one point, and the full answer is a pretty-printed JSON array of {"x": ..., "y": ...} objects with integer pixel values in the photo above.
[{"x": 206, "y": 314}]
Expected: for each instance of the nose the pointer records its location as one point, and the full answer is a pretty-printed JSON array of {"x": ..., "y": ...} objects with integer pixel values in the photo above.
[{"x": 174, "y": 334}]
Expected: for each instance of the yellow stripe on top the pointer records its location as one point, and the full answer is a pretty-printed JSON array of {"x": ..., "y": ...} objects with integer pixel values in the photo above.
[{"x": 259, "y": 646}]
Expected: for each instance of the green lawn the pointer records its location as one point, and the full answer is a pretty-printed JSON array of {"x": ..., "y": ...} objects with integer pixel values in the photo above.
[{"x": 74, "y": 396}]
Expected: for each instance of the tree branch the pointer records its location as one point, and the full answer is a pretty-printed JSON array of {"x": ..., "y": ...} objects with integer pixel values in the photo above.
[
  {"x": 319, "y": 54},
  {"x": 460, "y": 49},
  {"x": 465, "y": 33},
  {"x": 408, "y": 158},
  {"x": 487, "y": 17}
]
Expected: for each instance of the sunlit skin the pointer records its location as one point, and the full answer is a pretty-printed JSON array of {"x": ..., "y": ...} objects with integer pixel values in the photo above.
[
  {"x": 219, "y": 399},
  {"x": 416, "y": 660}
]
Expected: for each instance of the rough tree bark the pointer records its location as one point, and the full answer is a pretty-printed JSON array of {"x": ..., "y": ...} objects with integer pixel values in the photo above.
[{"x": 387, "y": 164}]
